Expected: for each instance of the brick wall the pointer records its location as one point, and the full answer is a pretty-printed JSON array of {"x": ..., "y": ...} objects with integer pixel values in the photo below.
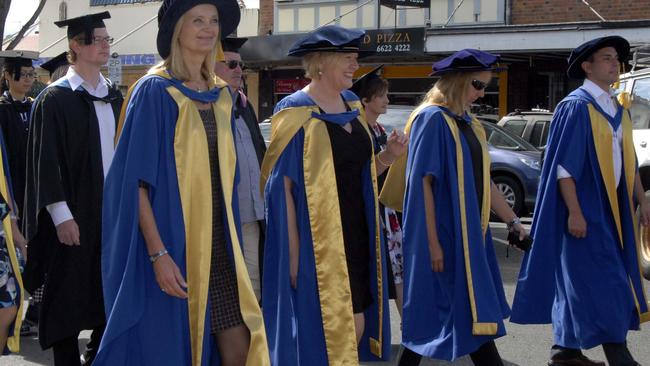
[
  {"x": 266, "y": 17},
  {"x": 559, "y": 11}
]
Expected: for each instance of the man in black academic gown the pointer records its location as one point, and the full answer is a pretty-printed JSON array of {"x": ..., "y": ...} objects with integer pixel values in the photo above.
[
  {"x": 17, "y": 79},
  {"x": 250, "y": 153},
  {"x": 70, "y": 150}
]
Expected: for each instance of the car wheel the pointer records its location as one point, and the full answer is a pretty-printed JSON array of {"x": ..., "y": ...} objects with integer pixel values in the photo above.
[
  {"x": 511, "y": 191},
  {"x": 644, "y": 253}
]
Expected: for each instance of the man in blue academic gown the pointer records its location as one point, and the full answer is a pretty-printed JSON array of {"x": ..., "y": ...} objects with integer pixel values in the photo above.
[{"x": 582, "y": 274}]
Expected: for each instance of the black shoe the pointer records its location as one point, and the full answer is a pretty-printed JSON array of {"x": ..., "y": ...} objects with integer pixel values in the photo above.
[{"x": 26, "y": 330}]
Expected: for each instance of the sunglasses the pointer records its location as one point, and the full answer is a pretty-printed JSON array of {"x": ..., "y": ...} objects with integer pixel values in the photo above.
[
  {"x": 479, "y": 85},
  {"x": 232, "y": 64}
]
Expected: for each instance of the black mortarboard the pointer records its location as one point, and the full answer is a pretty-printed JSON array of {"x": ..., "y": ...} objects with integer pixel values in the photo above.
[
  {"x": 172, "y": 10},
  {"x": 330, "y": 38},
  {"x": 55, "y": 62},
  {"x": 84, "y": 24},
  {"x": 582, "y": 53},
  {"x": 232, "y": 44},
  {"x": 14, "y": 60},
  {"x": 466, "y": 60},
  {"x": 361, "y": 83}
]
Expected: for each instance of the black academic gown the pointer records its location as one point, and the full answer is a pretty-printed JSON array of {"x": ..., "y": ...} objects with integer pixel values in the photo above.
[
  {"x": 64, "y": 163},
  {"x": 14, "y": 122}
]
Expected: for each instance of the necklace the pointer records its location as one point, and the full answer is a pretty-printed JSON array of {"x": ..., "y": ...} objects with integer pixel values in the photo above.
[{"x": 192, "y": 85}]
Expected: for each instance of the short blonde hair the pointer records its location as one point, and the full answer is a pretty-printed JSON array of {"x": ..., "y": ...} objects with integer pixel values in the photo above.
[
  {"x": 314, "y": 63},
  {"x": 176, "y": 66},
  {"x": 450, "y": 90}
]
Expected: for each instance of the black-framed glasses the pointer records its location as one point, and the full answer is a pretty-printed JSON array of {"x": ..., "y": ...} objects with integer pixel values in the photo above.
[
  {"x": 28, "y": 75},
  {"x": 232, "y": 64},
  {"x": 98, "y": 40},
  {"x": 479, "y": 85}
]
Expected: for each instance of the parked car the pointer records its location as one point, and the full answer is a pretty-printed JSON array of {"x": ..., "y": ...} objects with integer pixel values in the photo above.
[
  {"x": 532, "y": 126},
  {"x": 515, "y": 165}
]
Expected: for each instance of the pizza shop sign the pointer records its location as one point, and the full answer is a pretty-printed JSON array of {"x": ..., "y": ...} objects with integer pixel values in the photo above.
[{"x": 395, "y": 42}]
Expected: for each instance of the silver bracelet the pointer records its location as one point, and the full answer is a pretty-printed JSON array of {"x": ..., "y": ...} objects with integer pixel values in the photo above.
[
  {"x": 512, "y": 223},
  {"x": 154, "y": 257}
]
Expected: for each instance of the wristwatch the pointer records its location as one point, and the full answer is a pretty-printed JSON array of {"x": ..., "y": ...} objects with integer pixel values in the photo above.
[
  {"x": 512, "y": 222},
  {"x": 154, "y": 257}
]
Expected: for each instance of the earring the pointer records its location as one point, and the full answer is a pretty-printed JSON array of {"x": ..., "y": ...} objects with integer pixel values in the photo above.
[{"x": 320, "y": 73}]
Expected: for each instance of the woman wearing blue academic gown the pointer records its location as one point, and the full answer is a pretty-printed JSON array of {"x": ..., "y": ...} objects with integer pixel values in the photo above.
[
  {"x": 176, "y": 288},
  {"x": 454, "y": 303},
  {"x": 325, "y": 290}
]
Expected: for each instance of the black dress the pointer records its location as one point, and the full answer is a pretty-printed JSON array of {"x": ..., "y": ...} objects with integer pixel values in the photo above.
[
  {"x": 351, "y": 152},
  {"x": 476, "y": 152},
  {"x": 223, "y": 295}
]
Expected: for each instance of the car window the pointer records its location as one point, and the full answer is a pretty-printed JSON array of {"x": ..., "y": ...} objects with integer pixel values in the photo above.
[
  {"x": 547, "y": 127},
  {"x": 640, "y": 108},
  {"x": 504, "y": 140},
  {"x": 536, "y": 134},
  {"x": 516, "y": 126}
]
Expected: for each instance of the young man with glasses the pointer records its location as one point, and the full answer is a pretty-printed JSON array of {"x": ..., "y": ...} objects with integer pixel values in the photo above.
[
  {"x": 71, "y": 145},
  {"x": 582, "y": 274},
  {"x": 250, "y": 153}
]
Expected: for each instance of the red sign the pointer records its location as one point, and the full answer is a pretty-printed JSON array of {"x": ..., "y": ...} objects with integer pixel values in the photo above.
[{"x": 288, "y": 86}]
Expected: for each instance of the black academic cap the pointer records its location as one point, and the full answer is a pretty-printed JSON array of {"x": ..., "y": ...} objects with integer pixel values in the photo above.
[
  {"x": 14, "y": 60},
  {"x": 172, "y": 10},
  {"x": 84, "y": 24},
  {"x": 582, "y": 53},
  {"x": 232, "y": 44},
  {"x": 361, "y": 83},
  {"x": 55, "y": 62}
]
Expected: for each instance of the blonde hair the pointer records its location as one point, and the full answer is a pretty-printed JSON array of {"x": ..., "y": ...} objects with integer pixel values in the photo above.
[
  {"x": 313, "y": 63},
  {"x": 450, "y": 90},
  {"x": 176, "y": 66}
]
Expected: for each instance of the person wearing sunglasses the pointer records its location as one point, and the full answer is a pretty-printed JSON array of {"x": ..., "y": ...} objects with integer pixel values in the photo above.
[
  {"x": 454, "y": 302},
  {"x": 583, "y": 275},
  {"x": 250, "y": 147}
]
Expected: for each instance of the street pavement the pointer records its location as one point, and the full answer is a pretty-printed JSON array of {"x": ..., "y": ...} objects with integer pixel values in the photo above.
[{"x": 522, "y": 346}]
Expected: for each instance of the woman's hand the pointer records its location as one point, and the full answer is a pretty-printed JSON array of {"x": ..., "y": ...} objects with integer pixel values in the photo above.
[
  {"x": 577, "y": 224},
  {"x": 437, "y": 257},
  {"x": 397, "y": 144},
  {"x": 169, "y": 277},
  {"x": 518, "y": 227}
]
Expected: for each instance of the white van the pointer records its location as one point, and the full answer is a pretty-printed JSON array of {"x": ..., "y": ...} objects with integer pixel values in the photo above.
[{"x": 636, "y": 84}]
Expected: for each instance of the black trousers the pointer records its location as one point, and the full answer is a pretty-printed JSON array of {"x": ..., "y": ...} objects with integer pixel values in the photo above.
[
  {"x": 617, "y": 354},
  {"x": 66, "y": 351},
  {"x": 486, "y": 355}
]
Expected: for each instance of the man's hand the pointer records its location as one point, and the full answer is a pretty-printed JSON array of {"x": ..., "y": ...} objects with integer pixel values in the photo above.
[
  {"x": 68, "y": 232},
  {"x": 577, "y": 225},
  {"x": 644, "y": 210}
]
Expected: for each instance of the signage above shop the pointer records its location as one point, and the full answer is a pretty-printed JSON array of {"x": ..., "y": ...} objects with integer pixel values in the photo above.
[
  {"x": 395, "y": 42},
  {"x": 289, "y": 86},
  {"x": 407, "y": 3}
]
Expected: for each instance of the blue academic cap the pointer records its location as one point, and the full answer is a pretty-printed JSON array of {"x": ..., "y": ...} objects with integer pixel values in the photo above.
[
  {"x": 330, "y": 38},
  {"x": 582, "y": 53},
  {"x": 172, "y": 10},
  {"x": 466, "y": 60}
]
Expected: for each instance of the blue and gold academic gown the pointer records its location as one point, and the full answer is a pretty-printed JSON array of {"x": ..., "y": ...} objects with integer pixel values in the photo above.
[
  {"x": 6, "y": 192},
  {"x": 590, "y": 288},
  {"x": 449, "y": 314},
  {"x": 313, "y": 324},
  {"x": 163, "y": 144}
]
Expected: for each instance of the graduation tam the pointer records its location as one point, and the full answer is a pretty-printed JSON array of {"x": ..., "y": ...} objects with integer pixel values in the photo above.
[
  {"x": 582, "y": 53},
  {"x": 466, "y": 60},
  {"x": 172, "y": 10},
  {"x": 232, "y": 44},
  {"x": 55, "y": 62},
  {"x": 330, "y": 38},
  {"x": 14, "y": 60},
  {"x": 85, "y": 24}
]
